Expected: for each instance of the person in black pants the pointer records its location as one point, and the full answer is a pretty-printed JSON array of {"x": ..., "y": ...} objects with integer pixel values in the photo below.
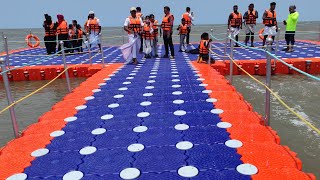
[
  {"x": 167, "y": 25},
  {"x": 50, "y": 34}
]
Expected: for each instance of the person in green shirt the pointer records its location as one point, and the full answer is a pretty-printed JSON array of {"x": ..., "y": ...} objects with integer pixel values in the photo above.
[{"x": 291, "y": 25}]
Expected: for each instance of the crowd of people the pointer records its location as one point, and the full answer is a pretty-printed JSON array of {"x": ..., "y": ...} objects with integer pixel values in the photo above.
[{"x": 144, "y": 31}]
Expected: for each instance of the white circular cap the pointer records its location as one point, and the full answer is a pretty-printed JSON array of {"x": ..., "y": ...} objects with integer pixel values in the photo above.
[
  {"x": 140, "y": 129},
  {"x": 40, "y": 152},
  {"x": 152, "y": 76},
  {"x": 96, "y": 90},
  {"x": 81, "y": 107},
  {"x": 181, "y": 127},
  {"x": 200, "y": 79},
  {"x": 184, "y": 145},
  {"x": 89, "y": 98},
  {"x": 70, "y": 119},
  {"x": 149, "y": 87},
  {"x": 178, "y": 101},
  {"x": 212, "y": 100},
  {"x": 224, "y": 125},
  {"x": 146, "y": 103},
  {"x": 57, "y": 133},
  {"x": 175, "y": 72},
  {"x": 247, "y": 169},
  {"x": 123, "y": 89},
  {"x": 196, "y": 71},
  {"x": 198, "y": 75},
  {"x": 177, "y": 93},
  {"x": 107, "y": 79},
  {"x": 112, "y": 75},
  {"x": 98, "y": 131},
  {"x": 130, "y": 173},
  {"x": 151, "y": 81},
  {"x": 143, "y": 114},
  {"x": 207, "y": 91},
  {"x": 135, "y": 147},
  {"x": 88, "y": 150},
  {"x": 114, "y": 105},
  {"x": 154, "y": 73},
  {"x": 135, "y": 71},
  {"x": 127, "y": 82},
  {"x": 18, "y": 176},
  {"x": 216, "y": 111},
  {"x": 175, "y": 75},
  {"x": 73, "y": 175},
  {"x": 175, "y": 80},
  {"x": 147, "y": 94},
  {"x": 180, "y": 113},
  {"x": 132, "y": 74},
  {"x": 154, "y": 70},
  {"x": 130, "y": 78},
  {"x": 188, "y": 171},
  {"x": 118, "y": 96},
  {"x": 233, "y": 143},
  {"x": 102, "y": 84},
  {"x": 107, "y": 117},
  {"x": 176, "y": 86},
  {"x": 203, "y": 85}
]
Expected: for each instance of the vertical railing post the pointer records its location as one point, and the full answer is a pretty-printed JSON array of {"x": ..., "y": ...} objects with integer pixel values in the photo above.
[
  {"x": 102, "y": 54},
  {"x": 65, "y": 66},
  {"x": 89, "y": 48},
  {"x": 268, "y": 82},
  {"x": 6, "y": 48},
  {"x": 226, "y": 43},
  {"x": 277, "y": 43},
  {"x": 231, "y": 57},
  {"x": 9, "y": 98}
]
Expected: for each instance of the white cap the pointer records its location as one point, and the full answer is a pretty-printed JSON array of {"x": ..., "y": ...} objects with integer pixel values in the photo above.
[
  {"x": 91, "y": 12},
  {"x": 133, "y": 9}
]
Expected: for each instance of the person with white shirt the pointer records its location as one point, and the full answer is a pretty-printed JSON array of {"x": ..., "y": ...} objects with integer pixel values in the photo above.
[
  {"x": 133, "y": 25},
  {"x": 93, "y": 27},
  {"x": 189, "y": 18}
]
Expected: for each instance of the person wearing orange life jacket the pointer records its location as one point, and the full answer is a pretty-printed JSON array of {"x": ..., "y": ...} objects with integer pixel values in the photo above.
[
  {"x": 79, "y": 33},
  {"x": 74, "y": 37},
  {"x": 50, "y": 34},
  {"x": 183, "y": 31},
  {"x": 250, "y": 19},
  {"x": 189, "y": 18},
  {"x": 147, "y": 34},
  {"x": 204, "y": 49},
  {"x": 62, "y": 32},
  {"x": 71, "y": 34},
  {"x": 140, "y": 15},
  {"x": 167, "y": 25},
  {"x": 133, "y": 25},
  {"x": 155, "y": 27},
  {"x": 270, "y": 22},
  {"x": 93, "y": 27},
  {"x": 235, "y": 23}
]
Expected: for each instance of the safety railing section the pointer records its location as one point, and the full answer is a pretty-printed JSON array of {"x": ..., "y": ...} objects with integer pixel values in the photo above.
[
  {"x": 267, "y": 84},
  {"x": 5, "y": 70}
]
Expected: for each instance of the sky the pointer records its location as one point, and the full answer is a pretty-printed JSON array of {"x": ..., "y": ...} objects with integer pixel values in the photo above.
[{"x": 30, "y": 13}]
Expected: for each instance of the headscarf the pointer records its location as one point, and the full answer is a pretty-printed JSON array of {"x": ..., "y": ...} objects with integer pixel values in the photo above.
[{"x": 60, "y": 18}]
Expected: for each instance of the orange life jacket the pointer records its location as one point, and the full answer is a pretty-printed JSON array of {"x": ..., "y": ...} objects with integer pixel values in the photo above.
[
  {"x": 63, "y": 28},
  {"x": 183, "y": 29},
  {"x": 135, "y": 24},
  {"x": 146, "y": 32},
  {"x": 273, "y": 20},
  {"x": 71, "y": 33},
  {"x": 50, "y": 31},
  {"x": 251, "y": 18},
  {"x": 187, "y": 18},
  {"x": 203, "y": 49},
  {"x": 166, "y": 25},
  {"x": 93, "y": 25},
  {"x": 155, "y": 28},
  {"x": 236, "y": 19}
]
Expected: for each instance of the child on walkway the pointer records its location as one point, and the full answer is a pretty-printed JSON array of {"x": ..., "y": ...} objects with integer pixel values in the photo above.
[
  {"x": 204, "y": 49},
  {"x": 148, "y": 37},
  {"x": 183, "y": 31}
]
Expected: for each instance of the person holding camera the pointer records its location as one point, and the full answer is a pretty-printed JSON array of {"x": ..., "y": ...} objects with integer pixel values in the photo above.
[{"x": 50, "y": 34}]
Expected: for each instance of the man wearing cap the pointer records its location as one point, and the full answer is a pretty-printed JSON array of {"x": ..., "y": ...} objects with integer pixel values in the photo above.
[
  {"x": 93, "y": 27},
  {"x": 133, "y": 25}
]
